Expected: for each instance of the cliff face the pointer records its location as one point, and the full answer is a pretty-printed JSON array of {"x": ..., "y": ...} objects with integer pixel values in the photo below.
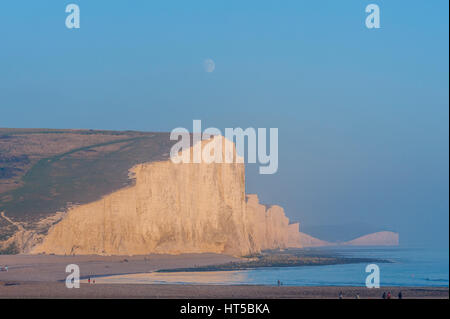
[
  {"x": 269, "y": 227},
  {"x": 310, "y": 241},
  {"x": 294, "y": 236},
  {"x": 173, "y": 208},
  {"x": 383, "y": 238}
]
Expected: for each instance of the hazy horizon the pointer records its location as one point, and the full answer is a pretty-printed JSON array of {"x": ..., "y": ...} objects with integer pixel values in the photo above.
[{"x": 362, "y": 114}]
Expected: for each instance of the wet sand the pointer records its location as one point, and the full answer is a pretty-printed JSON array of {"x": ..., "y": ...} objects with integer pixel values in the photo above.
[
  {"x": 50, "y": 268},
  {"x": 43, "y": 277}
]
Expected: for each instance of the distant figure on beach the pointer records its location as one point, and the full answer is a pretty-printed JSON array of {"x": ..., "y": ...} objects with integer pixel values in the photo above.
[
  {"x": 341, "y": 295},
  {"x": 279, "y": 283},
  {"x": 389, "y": 295},
  {"x": 357, "y": 296},
  {"x": 400, "y": 295},
  {"x": 89, "y": 280},
  {"x": 6, "y": 268},
  {"x": 384, "y": 295}
]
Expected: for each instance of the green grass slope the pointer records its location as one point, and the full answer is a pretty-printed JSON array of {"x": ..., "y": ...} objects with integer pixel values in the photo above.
[{"x": 76, "y": 175}]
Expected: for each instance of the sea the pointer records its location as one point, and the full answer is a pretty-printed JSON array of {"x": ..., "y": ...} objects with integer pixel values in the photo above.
[{"x": 418, "y": 267}]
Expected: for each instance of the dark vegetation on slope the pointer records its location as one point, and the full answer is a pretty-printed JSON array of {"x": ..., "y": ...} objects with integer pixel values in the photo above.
[{"x": 45, "y": 171}]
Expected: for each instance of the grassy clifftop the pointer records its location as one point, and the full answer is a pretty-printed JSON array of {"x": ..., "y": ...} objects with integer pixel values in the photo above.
[{"x": 45, "y": 171}]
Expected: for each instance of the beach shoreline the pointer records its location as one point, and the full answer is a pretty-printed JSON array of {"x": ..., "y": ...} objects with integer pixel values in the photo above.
[
  {"x": 43, "y": 276},
  {"x": 42, "y": 267},
  {"x": 180, "y": 291}
]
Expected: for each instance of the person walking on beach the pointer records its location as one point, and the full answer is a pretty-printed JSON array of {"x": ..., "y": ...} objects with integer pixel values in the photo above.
[
  {"x": 341, "y": 295},
  {"x": 400, "y": 295},
  {"x": 384, "y": 295},
  {"x": 389, "y": 295}
]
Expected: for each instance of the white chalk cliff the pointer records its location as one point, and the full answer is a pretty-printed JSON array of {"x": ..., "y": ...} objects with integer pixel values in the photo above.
[
  {"x": 310, "y": 241},
  {"x": 174, "y": 208},
  {"x": 382, "y": 238}
]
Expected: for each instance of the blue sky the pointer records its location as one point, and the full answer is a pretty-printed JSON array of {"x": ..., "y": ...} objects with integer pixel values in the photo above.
[{"x": 362, "y": 114}]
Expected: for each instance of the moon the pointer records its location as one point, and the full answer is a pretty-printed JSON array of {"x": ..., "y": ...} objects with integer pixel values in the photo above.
[{"x": 209, "y": 65}]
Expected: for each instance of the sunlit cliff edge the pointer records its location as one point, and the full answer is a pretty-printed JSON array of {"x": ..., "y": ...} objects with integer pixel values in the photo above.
[
  {"x": 171, "y": 208},
  {"x": 174, "y": 208}
]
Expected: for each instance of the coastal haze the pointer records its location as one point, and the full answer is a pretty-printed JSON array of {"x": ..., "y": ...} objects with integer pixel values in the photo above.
[
  {"x": 102, "y": 195},
  {"x": 136, "y": 202},
  {"x": 362, "y": 114},
  {"x": 362, "y": 161}
]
